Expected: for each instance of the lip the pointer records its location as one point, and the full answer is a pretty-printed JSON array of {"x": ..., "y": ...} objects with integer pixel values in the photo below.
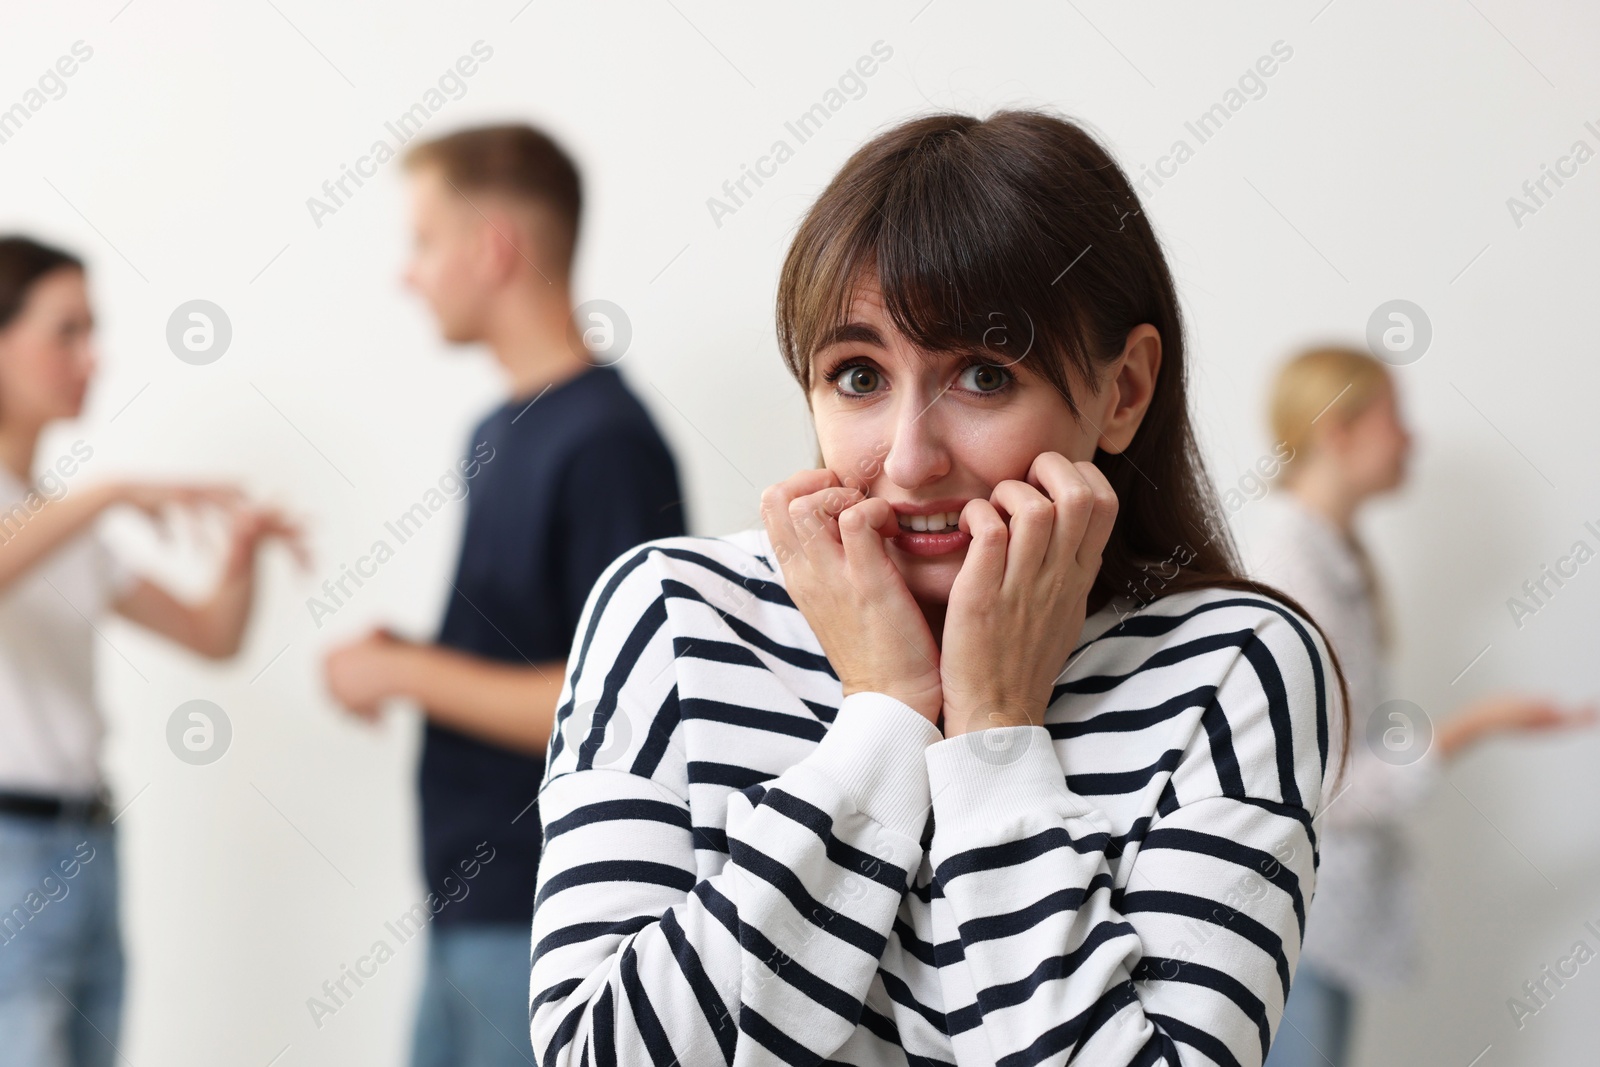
[
  {"x": 916, "y": 543},
  {"x": 931, "y": 544}
]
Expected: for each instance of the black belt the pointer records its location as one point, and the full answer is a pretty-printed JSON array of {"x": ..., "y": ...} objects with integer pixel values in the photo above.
[{"x": 74, "y": 809}]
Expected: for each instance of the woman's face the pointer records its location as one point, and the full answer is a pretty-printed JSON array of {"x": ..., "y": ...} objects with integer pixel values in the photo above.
[
  {"x": 1377, "y": 445},
  {"x": 46, "y": 352},
  {"x": 929, "y": 431}
]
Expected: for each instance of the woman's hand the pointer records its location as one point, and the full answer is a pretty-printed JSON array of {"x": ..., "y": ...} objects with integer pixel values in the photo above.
[
  {"x": 1508, "y": 714},
  {"x": 253, "y": 524},
  {"x": 155, "y": 499},
  {"x": 249, "y": 524},
  {"x": 1018, "y": 604},
  {"x": 829, "y": 542}
]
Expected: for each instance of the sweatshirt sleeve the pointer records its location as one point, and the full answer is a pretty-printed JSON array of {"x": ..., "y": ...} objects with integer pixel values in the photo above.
[
  {"x": 655, "y": 942},
  {"x": 1184, "y": 954}
]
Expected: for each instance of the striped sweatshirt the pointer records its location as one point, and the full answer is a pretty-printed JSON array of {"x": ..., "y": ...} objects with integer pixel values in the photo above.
[{"x": 741, "y": 866}]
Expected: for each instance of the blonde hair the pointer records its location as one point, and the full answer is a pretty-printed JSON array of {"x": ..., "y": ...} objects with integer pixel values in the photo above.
[{"x": 1337, "y": 382}]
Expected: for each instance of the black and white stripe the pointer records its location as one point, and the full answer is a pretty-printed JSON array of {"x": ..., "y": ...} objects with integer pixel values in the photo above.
[{"x": 741, "y": 867}]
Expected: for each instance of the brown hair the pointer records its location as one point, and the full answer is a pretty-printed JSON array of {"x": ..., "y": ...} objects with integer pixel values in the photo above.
[
  {"x": 1022, "y": 221},
  {"x": 1338, "y": 383},
  {"x": 23, "y": 261},
  {"x": 515, "y": 160}
]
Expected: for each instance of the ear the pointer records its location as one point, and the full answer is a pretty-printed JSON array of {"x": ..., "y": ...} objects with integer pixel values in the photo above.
[
  {"x": 1130, "y": 387},
  {"x": 1332, "y": 434},
  {"x": 504, "y": 239}
]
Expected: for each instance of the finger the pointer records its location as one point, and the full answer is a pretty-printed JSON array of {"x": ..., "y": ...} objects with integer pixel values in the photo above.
[
  {"x": 1102, "y": 520},
  {"x": 775, "y": 501},
  {"x": 293, "y": 536},
  {"x": 862, "y": 529},
  {"x": 1031, "y": 522},
  {"x": 1084, "y": 498},
  {"x": 985, "y": 563},
  {"x": 815, "y": 514},
  {"x": 224, "y": 497}
]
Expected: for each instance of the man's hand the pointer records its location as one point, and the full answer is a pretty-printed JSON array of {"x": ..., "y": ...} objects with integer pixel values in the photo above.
[{"x": 363, "y": 674}]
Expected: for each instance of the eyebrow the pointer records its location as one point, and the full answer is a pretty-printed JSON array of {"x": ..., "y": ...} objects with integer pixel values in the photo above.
[{"x": 858, "y": 332}]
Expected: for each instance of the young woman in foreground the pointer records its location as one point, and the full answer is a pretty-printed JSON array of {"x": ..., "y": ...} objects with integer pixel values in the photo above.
[{"x": 981, "y": 751}]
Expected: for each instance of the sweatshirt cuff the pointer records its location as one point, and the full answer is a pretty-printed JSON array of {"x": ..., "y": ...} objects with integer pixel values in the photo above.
[
  {"x": 990, "y": 778},
  {"x": 874, "y": 753}
]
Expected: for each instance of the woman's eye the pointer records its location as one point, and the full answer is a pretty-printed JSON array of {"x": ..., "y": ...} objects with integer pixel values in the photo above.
[
  {"x": 858, "y": 380},
  {"x": 984, "y": 378}
]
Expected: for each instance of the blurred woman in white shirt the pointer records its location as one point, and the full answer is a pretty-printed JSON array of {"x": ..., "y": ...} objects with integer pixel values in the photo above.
[
  {"x": 60, "y": 946},
  {"x": 1337, "y": 415}
]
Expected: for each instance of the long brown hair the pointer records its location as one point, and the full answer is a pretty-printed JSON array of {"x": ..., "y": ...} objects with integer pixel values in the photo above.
[{"x": 988, "y": 233}]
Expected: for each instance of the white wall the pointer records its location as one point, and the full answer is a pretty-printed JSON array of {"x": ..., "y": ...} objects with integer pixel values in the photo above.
[{"x": 1376, "y": 165}]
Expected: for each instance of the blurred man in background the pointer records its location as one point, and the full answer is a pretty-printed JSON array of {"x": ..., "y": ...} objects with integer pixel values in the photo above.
[{"x": 570, "y": 473}]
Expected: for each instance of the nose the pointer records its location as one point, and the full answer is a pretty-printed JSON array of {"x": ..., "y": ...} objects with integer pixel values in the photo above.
[
  {"x": 918, "y": 453},
  {"x": 88, "y": 361}
]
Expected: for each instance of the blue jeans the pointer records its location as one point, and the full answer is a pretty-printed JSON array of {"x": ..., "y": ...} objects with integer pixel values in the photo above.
[
  {"x": 60, "y": 943},
  {"x": 474, "y": 1010},
  {"x": 1315, "y": 1030}
]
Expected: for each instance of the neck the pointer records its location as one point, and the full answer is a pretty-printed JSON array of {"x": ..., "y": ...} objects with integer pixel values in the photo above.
[
  {"x": 532, "y": 338},
  {"x": 17, "y": 445},
  {"x": 1323, "y": 493}
]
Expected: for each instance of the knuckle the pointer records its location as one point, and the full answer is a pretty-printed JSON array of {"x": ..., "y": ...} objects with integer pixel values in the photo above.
[
  {"x": 1038, "y": 510},
  {"x": 1077, "y": 495},
  {"x": 989, "y": 533}
]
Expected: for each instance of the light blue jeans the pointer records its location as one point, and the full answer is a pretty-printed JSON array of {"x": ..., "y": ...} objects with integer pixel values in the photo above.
[
  {"x": 1316, "y": 1025},
  {"x": 474, "y": 1010},
  {"x": 60, "y": 943}
]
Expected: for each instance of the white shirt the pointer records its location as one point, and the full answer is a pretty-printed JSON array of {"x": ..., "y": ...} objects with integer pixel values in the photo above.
[
  {"x": 1362, "y": 927},
  {"x": 50, "y": 725},
  {"x": 743, "y": 866}
]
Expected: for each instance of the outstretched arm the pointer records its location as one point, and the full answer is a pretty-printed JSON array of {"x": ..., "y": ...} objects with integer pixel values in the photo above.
[{"x": 215, "y": 626}]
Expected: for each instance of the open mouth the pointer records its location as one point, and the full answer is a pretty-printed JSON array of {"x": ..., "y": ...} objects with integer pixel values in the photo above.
[{"x": 928, "y": 532}]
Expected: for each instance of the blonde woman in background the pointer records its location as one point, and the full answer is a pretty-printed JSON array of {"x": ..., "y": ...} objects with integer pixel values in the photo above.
[{"x": 1337, "y": 411}]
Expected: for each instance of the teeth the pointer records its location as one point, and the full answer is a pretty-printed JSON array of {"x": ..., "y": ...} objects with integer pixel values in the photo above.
[{"x": 948, "y": 520}]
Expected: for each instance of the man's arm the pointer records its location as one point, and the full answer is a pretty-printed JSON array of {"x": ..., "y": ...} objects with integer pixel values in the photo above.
[{"x": 512, "y": 705}]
